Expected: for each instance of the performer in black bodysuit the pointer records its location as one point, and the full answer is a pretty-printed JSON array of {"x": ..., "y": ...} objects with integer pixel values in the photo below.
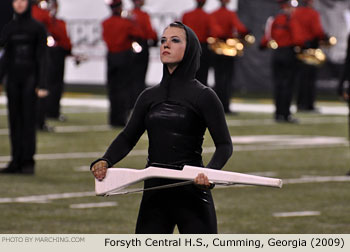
[
  {"x": 24, "y": 42},
  {"x": 175, "y": 114}
]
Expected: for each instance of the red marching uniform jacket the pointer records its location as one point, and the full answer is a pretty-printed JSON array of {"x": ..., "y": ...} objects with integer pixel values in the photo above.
[
  {"x": 229, "y": 23},
  {"x": 310, "y": 23},
  {"x": 118, "y": 33},
  {"x": 202, "y": 23},
  {"x": 143, "y": 21},
  {"x": 58, "y": 31},
  {"x": 43, "y": 16},
  {"x": 285, "y": 31}
]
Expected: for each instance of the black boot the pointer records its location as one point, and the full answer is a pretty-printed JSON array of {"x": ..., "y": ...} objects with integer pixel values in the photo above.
[{"x": 12, "y": 168}]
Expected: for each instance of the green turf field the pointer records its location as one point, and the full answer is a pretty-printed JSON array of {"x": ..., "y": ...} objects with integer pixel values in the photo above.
[{"x": 317, "y": 147}]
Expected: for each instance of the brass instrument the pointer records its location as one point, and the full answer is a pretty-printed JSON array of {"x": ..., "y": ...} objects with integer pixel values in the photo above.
[
  {"x": 272, "y": 44},
  {"x": 315, "y": 56},
  {"x": 230, "y": 47},
  {"x": 311, "y": 56},
  {"x": 43, "y": 4}
]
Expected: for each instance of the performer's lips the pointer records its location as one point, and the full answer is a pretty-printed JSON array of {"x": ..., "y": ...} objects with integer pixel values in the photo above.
[{"x": 166, "y": 53}]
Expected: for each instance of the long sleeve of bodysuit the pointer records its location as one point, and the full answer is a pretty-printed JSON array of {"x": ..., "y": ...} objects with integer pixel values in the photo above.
[
  {"x": 128, "y": 138},
  {"x": 41, "y": 56},
  {"x": 214, "y": 116}
]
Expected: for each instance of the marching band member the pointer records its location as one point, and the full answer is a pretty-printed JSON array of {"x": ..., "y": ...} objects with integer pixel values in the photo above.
[
  {"x": 140, "y": 59},
  {"x": 204, "y": 25},
  {"x": 59, "y": 48},
  {"x": 24, "y": 40},
  {"x": 43, "y": 16},
  {"x": 118, "y": 34},
  {"x": 175, "y": 114},
  {"x": 311, "y": 33},
  {"x": 224, "y": 65},
  {"x": 285, "y": 31}
]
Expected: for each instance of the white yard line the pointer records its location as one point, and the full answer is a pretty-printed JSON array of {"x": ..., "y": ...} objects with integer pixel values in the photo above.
[
  {"x": 82, "y": 169},
  {"x": 93, "y": 205},
  {"x": 231, "y": 123},
  {"x": 73, "y": 129},
  {"x": 303, "y": 121},
  {"x": 296, "y": 214},
  {"x": 70, "y": 110},
  {"x": 47, "y": 197},
  {"x": 316, "y": 179},
  {"x": 239, "y": 107},
  {"x": 269, "y": 108}
]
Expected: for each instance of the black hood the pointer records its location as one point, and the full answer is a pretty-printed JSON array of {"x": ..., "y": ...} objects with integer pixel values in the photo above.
[
  {"x": 189, "y": 65},
  {"x": 26, "y": 14}
]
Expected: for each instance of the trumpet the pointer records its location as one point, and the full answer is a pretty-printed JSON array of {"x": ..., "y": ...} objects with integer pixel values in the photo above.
[{"x": 230, "y": 47}]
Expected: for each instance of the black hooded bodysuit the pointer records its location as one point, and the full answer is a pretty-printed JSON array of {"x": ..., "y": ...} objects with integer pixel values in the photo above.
[
  {"x": 24, "y": 43},
  {"x": 176, "y": 114}
]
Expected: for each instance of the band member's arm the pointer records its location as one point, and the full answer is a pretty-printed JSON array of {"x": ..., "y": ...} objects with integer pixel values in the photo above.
[
  {"x": 264, "y": 41},
  {"x": 241, "y": 29},
  {"x": 130, "y": 135},
  {"x": 58, "y": 30},
  {"x": 41, "y": 57},
  {"x": 3, "y": 56},
  {"x": 317, "y": 28},
  {"x": 214, "y": 115},
  {"x": 107, "y": 33}
]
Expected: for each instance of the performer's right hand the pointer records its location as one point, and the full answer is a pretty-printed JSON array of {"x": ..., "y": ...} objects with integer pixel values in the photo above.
[{"x": 100, "y": 170}]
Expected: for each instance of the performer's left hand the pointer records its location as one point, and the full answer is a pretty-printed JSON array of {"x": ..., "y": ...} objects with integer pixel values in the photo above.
[
  {"x": 42, "y": 93},
  {"x": 202, "y": 181}
]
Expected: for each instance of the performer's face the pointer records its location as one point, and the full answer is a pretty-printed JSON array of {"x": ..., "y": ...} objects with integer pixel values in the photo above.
[
  {"x": 20, "y": 6},
  {"x": 173, "y": 45}
]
